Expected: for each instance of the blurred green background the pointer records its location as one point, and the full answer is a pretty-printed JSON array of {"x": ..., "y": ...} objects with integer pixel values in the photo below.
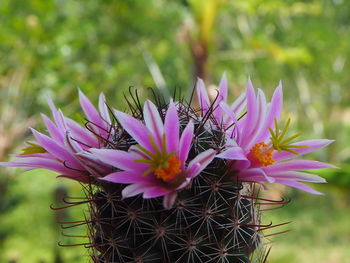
[{"x": 54, "y": 47}]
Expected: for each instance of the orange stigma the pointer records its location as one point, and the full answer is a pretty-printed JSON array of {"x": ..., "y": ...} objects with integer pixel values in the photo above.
[
  {"x": 262, "y": 153},
  {"x": 169, "y": 170}
]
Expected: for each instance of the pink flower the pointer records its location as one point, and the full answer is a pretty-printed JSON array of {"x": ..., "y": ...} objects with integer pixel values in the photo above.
[
  {"x": 157, "y": 165},
  {"x": 261, "y": 153},
  {"x": 57, "y": 151},
  {"x": 213, "y": 109}
]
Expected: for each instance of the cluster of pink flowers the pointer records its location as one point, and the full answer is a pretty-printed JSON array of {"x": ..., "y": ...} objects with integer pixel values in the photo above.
[{"x": 156, "y": 163}]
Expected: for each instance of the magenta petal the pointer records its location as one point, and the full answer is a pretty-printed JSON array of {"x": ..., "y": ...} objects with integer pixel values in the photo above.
[
  {"x": 223, "y": 88},
  {"x": 56, "y": 150},
  {"x": 239, "y": 104},
  {"x": 251, "y": 116},
  {"x": 102, "y": 107},
  {"x": 233, "y": 153},
  {"x": 255, "y": 174},
  {"x": 191, "y": 172},
  {"x": 222, "y": 96},
  {"x": 312, "y": 145},
  {"x": 43, "y": 163},
  {"x": 172, "y": 128},
  {"x": 300, "y": 186},
  {"x": 134, "y": 189},
  {"x": 55, "y": 133},
  {"x": 241, "y": 164},
  {"x": 90, "y": 111},
  {"x": 138, "y": 153},
  {"x": 57, "y": 115},
  {"x": 72, "y": 145},
  {"x": 92, "y": 165},
  {"x": 135, "y": 128},
  {"x": 298, "y": 176},
  {"x": 86, "y": 138},
  {"x": 230, "y": 122},
  {"x": 153, "y": 122},
  {"x": 297, "y": 165},
  {"x": 274, "y": 112},
  {"x": 120, "y": 159},
  {"x": 202, "y": 95},
  {"x": 257, "y": 129},
  {"x": 275, "y": 106},
  {"x": 155, "y": 191},
  {"x": 203, "y": 159},
  {"x": 185, "y": 143},
  {"x": 126, "y": 177},
  {"x": 169, "y": 200}
]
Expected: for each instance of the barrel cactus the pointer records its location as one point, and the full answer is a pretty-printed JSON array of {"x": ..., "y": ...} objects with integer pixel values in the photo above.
[{"x": 172, "y": 182}]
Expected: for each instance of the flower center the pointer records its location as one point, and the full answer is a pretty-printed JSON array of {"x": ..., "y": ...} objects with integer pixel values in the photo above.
[
  {"x": 169, "y": 170},
  {"x": 262, "y": 153},
  {"x": 165, "y": 166}
]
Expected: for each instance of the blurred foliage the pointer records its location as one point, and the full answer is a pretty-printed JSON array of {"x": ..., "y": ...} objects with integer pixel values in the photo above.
[
  {"x": 54, "y": 47},
  {"x": 318, "y": 228}
]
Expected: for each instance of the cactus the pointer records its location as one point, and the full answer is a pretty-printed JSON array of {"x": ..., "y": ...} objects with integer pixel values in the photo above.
[
  {"x": 213, "y": 220},
  {"x": 173, "y": 183}
]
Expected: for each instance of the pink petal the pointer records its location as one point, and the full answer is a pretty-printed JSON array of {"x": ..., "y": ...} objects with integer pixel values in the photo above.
[
  {"x": 86, "y": 138},
  {"x": 169, "y": 200},
  {"x": 239, "y": 104},
  {"x": 202, "y": 96},
  {"x": 300, "y": 186},
  {"x": 312, "y": 145},
  {"x": 135, "y": 128},
  {"x": 92, "y": 115},
  {"x": 298, "y": 176},
  {"x": 255, "y": 174},
  {"x": 260, "y": 121},
  {"x": 134, "y": 189},
  {"x": 104, "y": 111},
  {"x": 274, "y": 112},
  {"x": 57, "y": 115},
  {"x": 171, "y": 128},
  {"x": 191, "y": 172},
  {"x": 55, "y": 149},
  {"x": 186, "y": 142},
  {"x": 55, "y": 133},
  {"x": 138, "y": 153},
  {"x": 233, "y": 153},
  {"x": 126, "y": 177},
  {"x": 233, "y": 131},
  {"x": 251, "y": 116},
  {"x": 155, "y": 191},
  {"x": 43, "y": 163},
  {"x": 153, "y": 122},
  {"x": 241, "y": 164},
  {"x": 92, "y": 165},
  {"x": 120, "y": 159},
  {"x": 222, "y": 96},
  {"x": 72, "y": 145},
  {"x": 203, "y": 159},
  {"x": 297, "y": 165},
  {"x": 223, "y": 88}
]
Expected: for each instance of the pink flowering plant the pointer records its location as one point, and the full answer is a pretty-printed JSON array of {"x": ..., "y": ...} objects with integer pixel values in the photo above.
[{"x": 171, "y": 182}]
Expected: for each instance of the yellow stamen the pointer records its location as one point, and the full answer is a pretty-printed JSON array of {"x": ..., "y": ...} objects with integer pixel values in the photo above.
[
  {"x": 262, "y": 153},
  {"x": 170, "y": 170},
  {"x": 165, "y": 166},
  {"x": 280, "y": 143}
]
